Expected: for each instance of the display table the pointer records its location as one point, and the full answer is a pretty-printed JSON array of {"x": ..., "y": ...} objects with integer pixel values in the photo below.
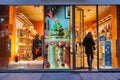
[{"x": 26, "y": 65}]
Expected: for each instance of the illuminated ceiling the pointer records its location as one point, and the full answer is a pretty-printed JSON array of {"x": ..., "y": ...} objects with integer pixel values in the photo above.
[
  {"x": 35, "y": 13},
  {"x": 90, "y": 13}
]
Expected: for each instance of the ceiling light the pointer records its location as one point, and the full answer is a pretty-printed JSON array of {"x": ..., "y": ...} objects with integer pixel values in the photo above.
[
  {"x": 16, "y": 6},
  {"x": 89, "y": 10},
  {"x": 41, "y": 11},
  {"x": 36, "y": 5},
  {"x": 106, "y": 6},
  {"x": 77, "y": 29}
]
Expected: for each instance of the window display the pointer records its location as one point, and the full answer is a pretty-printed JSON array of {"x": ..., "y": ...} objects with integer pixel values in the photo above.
[
  {"x": 58, "y": 44},
  {"x": 28, "y": 52},
  {"x": 36, "y": 47},
  {"x": 51, "y": 36}
]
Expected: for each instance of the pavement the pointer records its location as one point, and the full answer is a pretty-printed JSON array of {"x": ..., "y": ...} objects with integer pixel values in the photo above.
[{"x": 61, "y": 76}]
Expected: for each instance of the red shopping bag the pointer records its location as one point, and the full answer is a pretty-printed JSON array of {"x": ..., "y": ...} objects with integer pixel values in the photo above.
[{"x": 36, "y": 51}]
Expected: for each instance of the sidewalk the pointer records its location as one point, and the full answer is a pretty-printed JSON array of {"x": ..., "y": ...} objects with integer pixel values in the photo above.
[{"x": 60, "y": 76}]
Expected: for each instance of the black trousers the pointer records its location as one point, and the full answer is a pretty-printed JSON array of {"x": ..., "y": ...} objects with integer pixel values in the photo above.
[
  {"x": 38, "y": 54},
  {"x": 89, "y": 59}
]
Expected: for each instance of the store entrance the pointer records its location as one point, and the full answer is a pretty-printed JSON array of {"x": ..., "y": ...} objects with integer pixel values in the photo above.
[{"x": 85, "y": 18}]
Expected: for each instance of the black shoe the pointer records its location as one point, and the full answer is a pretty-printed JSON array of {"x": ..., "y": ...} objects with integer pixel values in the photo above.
[{"x": 90, "y": 68}]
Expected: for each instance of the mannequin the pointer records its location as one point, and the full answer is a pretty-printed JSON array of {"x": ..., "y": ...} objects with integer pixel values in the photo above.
[{"x": 36, "y": 47}]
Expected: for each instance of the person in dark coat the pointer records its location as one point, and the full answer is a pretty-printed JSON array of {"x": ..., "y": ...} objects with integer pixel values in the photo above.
[
  {"x": 36, "y": 47},
  {"x": 89, "y": 43}
]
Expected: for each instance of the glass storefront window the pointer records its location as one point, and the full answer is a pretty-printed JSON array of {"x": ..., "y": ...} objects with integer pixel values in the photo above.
[
  {"x": 108, "y": 37},
  {"x": 41, "y": 37},
  {"x": 105, "y": 37},
  {"x": 28, "y": 33},
  {"x": 57, "y": 37}
]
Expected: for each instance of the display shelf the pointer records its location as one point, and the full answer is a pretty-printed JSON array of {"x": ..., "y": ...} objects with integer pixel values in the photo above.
[
  {"x": 30, "y": 45},
  {"x": 21, "y": 28},
  {"x": 24, "y": 37}
]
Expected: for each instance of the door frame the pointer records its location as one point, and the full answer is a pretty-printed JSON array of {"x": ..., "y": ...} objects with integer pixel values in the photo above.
[{"x": 74, "y": 37}]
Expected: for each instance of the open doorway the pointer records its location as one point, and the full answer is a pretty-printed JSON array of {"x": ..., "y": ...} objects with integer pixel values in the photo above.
[{"x": 85, "y": 18}]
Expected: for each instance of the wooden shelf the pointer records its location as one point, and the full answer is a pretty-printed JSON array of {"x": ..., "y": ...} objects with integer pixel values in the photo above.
[
  {"x": 21, "y": 44},
  {"x": 21, "y": 28},
  {"x": 22, "y": 37}
]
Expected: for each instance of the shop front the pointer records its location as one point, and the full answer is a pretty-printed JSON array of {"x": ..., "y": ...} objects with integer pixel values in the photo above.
[{"x": 49, "y": 37}]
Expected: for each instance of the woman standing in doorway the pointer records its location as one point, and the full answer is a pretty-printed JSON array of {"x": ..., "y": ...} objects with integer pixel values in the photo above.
[{"x": 89, "y": 43}]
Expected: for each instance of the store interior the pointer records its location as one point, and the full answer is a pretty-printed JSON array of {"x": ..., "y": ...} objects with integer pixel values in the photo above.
[
  {"x": 43, "y": 21},
  {"x": 86, "y": 22},
  {"x": 29, "y": 21},
  {"x": 55, "y": 49}
]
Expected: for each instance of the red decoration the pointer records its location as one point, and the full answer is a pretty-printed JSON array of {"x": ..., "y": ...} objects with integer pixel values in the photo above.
[{"x": 50, "y": 14}]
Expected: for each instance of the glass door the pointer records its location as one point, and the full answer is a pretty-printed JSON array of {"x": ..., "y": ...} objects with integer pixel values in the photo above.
[
  {"x": 85, "y": 21},
  {"x": 79, "y": 28}
]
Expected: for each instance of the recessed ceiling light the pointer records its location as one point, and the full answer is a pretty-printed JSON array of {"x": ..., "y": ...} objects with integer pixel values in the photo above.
[
  {"x": 41, "y": 11},
  {"x": 36, "y": 6},
  {"x": 16, "y": 6},
  {"x": 89, "y": 10},
  {"x": 106, "y": 6}
]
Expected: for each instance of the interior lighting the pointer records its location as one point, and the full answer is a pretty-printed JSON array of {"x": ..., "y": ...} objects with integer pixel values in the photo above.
[
  {"x": 41, "y": 11},
  {"x": 36, "y": 6},
  {"x": 16, "y": 6},
  {"x": 89, "y": 10},
  {"x": 106, "y": 6}
]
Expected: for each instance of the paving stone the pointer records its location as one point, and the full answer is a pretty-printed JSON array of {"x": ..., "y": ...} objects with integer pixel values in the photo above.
[
  {"x": 117, "y": 75},
  {"x": 60, "y": 76},
  {"x": 97, "y": 76},
  {"x": 3, "y": 75},
  {"x": 23, "y": 76}
]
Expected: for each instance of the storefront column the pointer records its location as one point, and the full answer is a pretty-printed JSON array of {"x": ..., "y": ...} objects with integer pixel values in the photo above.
[
  {"x": 13, "y": 32},
  {"x": 97, "y": 33},
  {"x": 118, "y": 36},
  {"x": 4, "y": 37},
  {"x": 73, "y": 37},
  {"x": 114, "y": 36}
]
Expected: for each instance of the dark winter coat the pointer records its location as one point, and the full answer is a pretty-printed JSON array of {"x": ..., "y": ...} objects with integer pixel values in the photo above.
[
  {"x": 36, "y": 44},
  {"x": 89, "y": 43}
]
